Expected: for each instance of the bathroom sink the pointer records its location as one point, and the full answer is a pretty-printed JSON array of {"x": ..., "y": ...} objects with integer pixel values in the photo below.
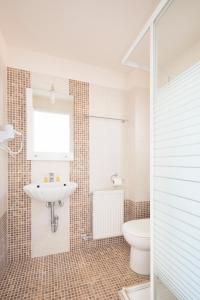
[{"x": 50, "y": 192}]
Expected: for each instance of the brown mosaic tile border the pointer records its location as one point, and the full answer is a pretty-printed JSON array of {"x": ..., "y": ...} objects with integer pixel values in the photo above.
[
  {"x": 79, "y": 168},
  {"x": 3, "y": 242},
  {"x": 136, "y": 210},
  {"x": 127, "y": 208},
  {"x": 19, "y": 169},
  {"x": 142, "y": 210}
]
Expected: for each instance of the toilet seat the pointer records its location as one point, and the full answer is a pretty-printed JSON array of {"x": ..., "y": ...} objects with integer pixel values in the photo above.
[{"x": 138, "y": 228}]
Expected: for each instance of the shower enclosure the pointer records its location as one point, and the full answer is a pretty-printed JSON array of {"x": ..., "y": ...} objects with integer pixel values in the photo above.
[
  {"x": 173, "y": 35},
  {"x": 175, "y": 150}
]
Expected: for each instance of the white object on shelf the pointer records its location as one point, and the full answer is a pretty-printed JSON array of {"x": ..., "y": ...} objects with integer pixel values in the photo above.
[
  {"x": 8, "y": 133},
  {"x": 116, "y": 180}
]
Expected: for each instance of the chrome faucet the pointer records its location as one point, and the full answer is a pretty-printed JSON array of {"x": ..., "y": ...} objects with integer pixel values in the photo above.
[{"x": 51, "y": 177}]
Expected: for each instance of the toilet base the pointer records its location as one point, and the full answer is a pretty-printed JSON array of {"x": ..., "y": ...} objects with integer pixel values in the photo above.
[{"x": 140, "y": 261}]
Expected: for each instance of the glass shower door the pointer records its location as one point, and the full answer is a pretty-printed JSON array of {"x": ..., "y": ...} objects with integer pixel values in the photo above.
[{"x": 176, "y": 152}]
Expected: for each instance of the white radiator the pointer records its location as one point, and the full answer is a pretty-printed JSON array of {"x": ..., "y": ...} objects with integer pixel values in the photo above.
[{"x": 108, "y": 213}]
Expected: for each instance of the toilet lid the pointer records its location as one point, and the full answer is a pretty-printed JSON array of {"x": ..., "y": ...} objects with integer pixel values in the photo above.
[{"x": 139, "y": 227}]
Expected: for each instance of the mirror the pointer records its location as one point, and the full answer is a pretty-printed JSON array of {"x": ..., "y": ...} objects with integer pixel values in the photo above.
[{"x": 49, "y": 125}]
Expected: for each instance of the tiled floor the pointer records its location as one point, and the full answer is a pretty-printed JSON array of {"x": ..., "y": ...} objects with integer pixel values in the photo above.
[
  {"x": 162, "y": 292},
  {"x": 95, "y": 273}
]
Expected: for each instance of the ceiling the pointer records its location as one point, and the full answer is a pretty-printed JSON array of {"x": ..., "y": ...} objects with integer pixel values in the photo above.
[
  {"x": 97, "y": 32},
  {"x": 177, "y": 30},
  {"x": 177, "y": 37}
]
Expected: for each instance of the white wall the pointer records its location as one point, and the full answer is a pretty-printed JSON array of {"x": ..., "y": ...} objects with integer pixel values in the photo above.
[
  {"x": 139, "y": 148},
  {"x": 117, "y": 147},
  {"x": 3, "y": 155},
  {"x": 45, "y": 64},
  {"x": 178, "y": 64},
  {"x": 109, "y": 139},
  {"x": 44, "y": 242},
  {"x": 138, "y": 79}
]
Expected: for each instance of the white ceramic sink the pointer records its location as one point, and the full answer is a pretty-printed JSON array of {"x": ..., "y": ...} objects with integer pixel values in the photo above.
[{"x": 50, "y": 192}]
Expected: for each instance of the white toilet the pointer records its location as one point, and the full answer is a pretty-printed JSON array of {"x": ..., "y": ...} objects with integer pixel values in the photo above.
[{"x": 137, "y": 234}]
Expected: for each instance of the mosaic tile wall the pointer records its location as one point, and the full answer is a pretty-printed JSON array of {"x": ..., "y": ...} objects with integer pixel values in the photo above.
[
  {"x": 127, "y": 206},
  {"x": 19, "y": 169},
  {"x": 79, "y": 168},
  {"x": 136, "y": 210},
  {"x": 3, "y": 242},
  {"x": 142, "y": 210},
  {"x": 19, "y": 173}
]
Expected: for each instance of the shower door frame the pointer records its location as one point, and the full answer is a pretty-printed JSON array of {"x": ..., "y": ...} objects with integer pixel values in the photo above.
[{"x": 149, "y": 26}]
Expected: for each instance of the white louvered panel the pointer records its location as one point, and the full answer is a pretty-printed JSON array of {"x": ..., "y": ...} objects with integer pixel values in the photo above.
[
  {"x": 177, "y": 224},
  {"x": 181, "y": 100},
  {"x": 186, "y": 111},
  {"x": 181, "y": 188},
  {"x": 183, "y": 204},
  {"x": 177, "y": 184},
  {"x": 177, "y": 126},
  {"x": 108, "y": 213},
  {"x": 182, "y": 216},
  {"x": 191, "y": 174},
  {"x": 188, "y": 267},
  {"x": 179, "y": 243},
  {"x": 179, "y": 274},
  {"x": 186, "y": 161},
  {"x": 183, "y": 104},
  {"x": 178, "y": 142},
  {"x": 177, "y": 232},
  {"x": 174, "y": 134},
  {"x": 173, "y": 88},
  {"x": 189, "y": 150},
  {"x": 188, "y": 115}
]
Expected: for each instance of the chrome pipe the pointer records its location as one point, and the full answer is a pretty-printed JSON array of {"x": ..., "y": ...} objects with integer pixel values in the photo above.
[{"x": 54, "y": 218}]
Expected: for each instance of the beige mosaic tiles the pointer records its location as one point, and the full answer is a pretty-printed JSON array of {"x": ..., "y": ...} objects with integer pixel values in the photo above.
[
  {"x": 136, "y": 210},
  {"x": 127, "y": 216},
  {"x": 142, "y": 209},
  {"x": 3, "y": 242},
  {"x": 19, "y": 169},
  {"x": 93, "y": 273},
  {"x": 79, "y": 168}
]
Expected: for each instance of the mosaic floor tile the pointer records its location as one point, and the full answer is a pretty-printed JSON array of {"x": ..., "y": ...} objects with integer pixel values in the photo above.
[{"x": 90, "y": 274}]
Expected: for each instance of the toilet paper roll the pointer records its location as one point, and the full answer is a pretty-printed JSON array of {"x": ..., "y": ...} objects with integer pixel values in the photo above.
[{"x": 116, "y": 180}]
